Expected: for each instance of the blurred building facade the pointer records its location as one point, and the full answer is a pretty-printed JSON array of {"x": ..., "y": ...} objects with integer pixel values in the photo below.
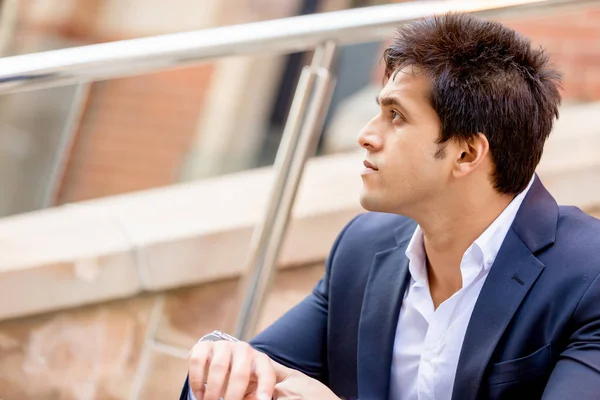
[
  {"x": 140, "y": 132},
  {"x": 154, "y": 130}
]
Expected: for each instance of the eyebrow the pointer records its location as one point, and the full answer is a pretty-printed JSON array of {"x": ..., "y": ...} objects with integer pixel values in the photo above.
[{"x": 387, "y": 101}]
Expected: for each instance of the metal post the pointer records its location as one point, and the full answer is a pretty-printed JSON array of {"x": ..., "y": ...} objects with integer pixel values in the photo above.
[
  {"x": 9, "y": 16},
  {"x": 65, "y": 143},
  {"x": 298, "y": 143}
]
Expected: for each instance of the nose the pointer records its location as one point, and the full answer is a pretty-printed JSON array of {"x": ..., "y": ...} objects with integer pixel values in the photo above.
[{"x": 369, "y": 137}]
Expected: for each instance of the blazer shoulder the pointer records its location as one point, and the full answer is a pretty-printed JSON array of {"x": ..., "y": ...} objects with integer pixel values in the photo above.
[
  {"x": 353, "y": 253},
  {"x": 377, "y": 231},
  {"x": 577, "y": 241},
  {"x": 579, "y": 228}
]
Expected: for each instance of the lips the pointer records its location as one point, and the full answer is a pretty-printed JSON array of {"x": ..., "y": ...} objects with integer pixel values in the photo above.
[{"x": 369, "y": 165}]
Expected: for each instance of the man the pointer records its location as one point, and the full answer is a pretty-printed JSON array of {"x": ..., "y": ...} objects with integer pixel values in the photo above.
[{"x": 467, "y": 281}]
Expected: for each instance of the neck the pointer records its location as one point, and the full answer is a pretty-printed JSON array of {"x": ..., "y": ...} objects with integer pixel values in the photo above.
[{"x": 451, "y": 228}]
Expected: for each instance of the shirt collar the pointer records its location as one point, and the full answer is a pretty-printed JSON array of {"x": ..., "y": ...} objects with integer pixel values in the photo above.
[
  {"x": 415, "y": 252},
  {"x": 488, "y": 243}
]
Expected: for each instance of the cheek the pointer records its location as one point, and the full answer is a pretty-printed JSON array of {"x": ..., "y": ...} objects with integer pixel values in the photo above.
[
  {"x": 407, "y": 149},
  {"x": 414, "y": 160}
]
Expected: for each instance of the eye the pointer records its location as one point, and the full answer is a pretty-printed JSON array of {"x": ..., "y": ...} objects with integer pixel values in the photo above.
[{"x": 396, "y": 116}]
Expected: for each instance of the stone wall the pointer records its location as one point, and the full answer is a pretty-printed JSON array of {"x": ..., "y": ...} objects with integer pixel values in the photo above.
[{"x": 97, "y": 352}]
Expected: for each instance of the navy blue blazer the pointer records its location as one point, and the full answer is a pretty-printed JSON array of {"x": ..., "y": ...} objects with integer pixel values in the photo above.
[{"x": 534, "y": 332}]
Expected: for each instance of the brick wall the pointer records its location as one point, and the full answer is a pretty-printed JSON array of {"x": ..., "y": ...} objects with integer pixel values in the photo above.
[
  {"x": 573, "y": 42},
  {"x": 135, "y": 133}
]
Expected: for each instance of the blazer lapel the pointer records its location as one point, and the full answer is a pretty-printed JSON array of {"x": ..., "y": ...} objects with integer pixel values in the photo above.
[
  {"x": 379, "y": 316},
  {"x": 514, "y": 272}
]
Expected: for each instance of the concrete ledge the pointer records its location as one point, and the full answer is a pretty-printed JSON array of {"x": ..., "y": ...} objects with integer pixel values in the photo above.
[
  {"x": 199, "y": 232},
  {"x": 575, "y": 141},
  {"x": 170, "y": 237},
  {"x": 62, "y": 257}
]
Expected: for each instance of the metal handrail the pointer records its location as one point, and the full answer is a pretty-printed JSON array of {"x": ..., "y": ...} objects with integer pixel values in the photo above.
[{"x": 137, "y": 56}]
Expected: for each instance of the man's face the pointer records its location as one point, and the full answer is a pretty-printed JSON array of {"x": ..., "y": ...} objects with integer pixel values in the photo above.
[{"x": 409, "y": 168}]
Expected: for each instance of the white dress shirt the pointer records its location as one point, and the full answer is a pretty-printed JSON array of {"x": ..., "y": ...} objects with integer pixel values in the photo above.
[{"x": 428, "y": 342}]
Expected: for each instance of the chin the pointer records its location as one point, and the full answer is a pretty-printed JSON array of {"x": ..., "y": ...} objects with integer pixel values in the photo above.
[
  {"x": 373, "y": 203},
  {"x": 370, "y": 203}
]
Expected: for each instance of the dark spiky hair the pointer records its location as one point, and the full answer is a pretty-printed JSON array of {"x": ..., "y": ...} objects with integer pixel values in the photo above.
[{"x": 485, "y": 78}]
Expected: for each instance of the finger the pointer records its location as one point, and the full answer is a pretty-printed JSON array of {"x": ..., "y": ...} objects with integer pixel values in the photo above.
[
  {"x": 241, "y": 368},
  {"x": 281, "y": 372},
  {"x": 265, "y": 375},
  {"x": 280, "y": 392},
  {"x": 218, "y": 370},
  {"x": 282, "y": 376},
  {"x": 199, "y": 357}
]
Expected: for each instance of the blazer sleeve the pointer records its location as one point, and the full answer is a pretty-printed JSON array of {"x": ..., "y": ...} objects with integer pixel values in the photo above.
[
  {"x": 577, "y": 372},
  {"x": 298, "y": 339}
]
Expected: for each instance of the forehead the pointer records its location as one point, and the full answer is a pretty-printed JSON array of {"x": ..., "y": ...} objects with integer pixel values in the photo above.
[{"x": 410, "y": 83}]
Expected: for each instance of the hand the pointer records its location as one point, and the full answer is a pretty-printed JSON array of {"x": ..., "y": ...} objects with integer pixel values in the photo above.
[
  {"x": 232, "y": 370},
  {"x": 294, "y": 385}
]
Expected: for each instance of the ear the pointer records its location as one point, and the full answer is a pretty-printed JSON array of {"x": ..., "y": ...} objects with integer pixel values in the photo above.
[{"x": 471, "y": 155}]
